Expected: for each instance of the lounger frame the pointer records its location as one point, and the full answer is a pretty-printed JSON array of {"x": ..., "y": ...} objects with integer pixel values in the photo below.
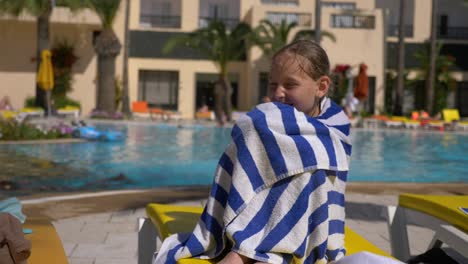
[{"x": 398, "y": 219}]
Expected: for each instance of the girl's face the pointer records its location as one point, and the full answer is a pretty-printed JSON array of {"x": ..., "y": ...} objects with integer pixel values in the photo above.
[{"x": 290, "y": 84}]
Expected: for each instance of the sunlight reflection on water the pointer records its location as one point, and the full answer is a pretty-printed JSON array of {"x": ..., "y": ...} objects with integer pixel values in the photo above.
[{"x": 167, "y": 155}]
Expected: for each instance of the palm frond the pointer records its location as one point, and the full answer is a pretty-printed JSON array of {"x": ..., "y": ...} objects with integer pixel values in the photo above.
[
  {"x": 215, "y": 41},
  {"x": 310, "y": 34},
  {"x": 74, "y": 5},
  {"x": 270, "y": 37},
  {"x": 16, "y": 7},
  {"x": 106, "y": 10}
]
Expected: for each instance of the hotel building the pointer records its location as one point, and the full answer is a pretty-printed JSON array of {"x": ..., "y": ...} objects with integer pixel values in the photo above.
[{"x": 365, "y": 32}]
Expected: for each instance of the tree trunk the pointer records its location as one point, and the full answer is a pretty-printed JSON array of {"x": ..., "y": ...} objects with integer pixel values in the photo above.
[
  {"x": 42, "y": 44},
  {"x": 107, "y": 47},
  {"x": 125, "y": 95},
  {"x": 227, "y": 99},
  {"x": 431, "y": 75},
  {"x": 398, "y": 105},
  {"x": 219, "y": 95},
  {"x": 318, "y": 17},
  {"x": 106, "y": 84}
]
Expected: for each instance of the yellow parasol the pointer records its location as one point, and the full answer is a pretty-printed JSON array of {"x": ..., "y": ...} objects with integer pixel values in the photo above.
[{"x": 45, "y": 76}]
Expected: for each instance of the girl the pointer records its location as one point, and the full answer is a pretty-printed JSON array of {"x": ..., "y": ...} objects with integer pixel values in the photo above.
[{"x": 278, "y": 193}]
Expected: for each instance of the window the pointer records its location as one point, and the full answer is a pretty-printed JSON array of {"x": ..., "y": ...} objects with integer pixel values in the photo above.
[
  {"x": 338, "y": 5},
  {"x": 158, "y": 13},
  {"x": 300, "y": 19},
  {"x": 352, "y": 21},
  {"x": 280, "y": 2},
  {"x": 159, "y": 88},
  {"x": 218, "y": 10}
]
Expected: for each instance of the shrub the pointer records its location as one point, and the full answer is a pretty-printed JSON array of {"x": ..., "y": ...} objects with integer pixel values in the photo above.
[
  {"x": 63, "y": 58},
  {"x": 13, "y": 130},
  {"x": 30, "y": 102},
  {"x": 62, "y": 102}
]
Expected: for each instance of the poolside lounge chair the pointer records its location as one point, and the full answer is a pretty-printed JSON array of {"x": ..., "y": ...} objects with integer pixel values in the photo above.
[
  {"x": 165, "y": 220},
  {"x": 453, "y": 116},
  {"x": 443, "y": 214},
  {"x": 395, "y": 121},
  {"x": 69, "y": 110},
  {"x": 142, "y": 109},
  {"x": 409, "y": 123},
  {"x": 32, "y": 112},
  {"x": 208, "y": 115},
  {"x": 46, "y": 244},
  {"x": 374, "y": 121},
  {"x": 8, "y": 114},
  {"x": 435, "y": 124}
]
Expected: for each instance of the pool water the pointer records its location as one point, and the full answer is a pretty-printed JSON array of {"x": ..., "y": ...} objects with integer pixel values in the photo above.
[{"x": 168, "y": 155}]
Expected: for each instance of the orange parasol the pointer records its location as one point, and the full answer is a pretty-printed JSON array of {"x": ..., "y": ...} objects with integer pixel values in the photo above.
[{"x": 361, "y": 85}]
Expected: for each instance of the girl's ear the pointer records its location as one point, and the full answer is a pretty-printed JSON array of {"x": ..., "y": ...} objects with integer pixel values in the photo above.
[{"x": 323, "y": 85}]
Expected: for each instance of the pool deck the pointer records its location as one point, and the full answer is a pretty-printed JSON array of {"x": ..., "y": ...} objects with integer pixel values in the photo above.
[{"x": 101, "y": 228}]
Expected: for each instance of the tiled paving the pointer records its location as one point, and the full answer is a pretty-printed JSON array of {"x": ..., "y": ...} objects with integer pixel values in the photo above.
[{"x": 112, "y": 237}]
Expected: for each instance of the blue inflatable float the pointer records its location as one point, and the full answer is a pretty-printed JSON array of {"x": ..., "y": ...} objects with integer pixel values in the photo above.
[{"x": 92, "y": 133}]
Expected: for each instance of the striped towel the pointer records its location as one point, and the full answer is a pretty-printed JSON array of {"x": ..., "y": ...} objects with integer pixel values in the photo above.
[{"x": 278, "y": 192}]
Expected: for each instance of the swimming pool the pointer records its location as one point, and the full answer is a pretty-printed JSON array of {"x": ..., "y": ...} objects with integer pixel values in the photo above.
[{"x": 168, "y": 155}]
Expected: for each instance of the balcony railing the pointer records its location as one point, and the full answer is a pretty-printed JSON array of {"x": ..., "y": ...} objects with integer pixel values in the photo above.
[
  {"x": 281, "y": 2},
  {"x": 159, "y": 21},
  {"x": 452, "y": 32},
  {"x": 394, "y": 29},
  {"x": 352, "y": 21},
  {"x": 230, "y": 23},
  {"x": 304, "y": 20}
]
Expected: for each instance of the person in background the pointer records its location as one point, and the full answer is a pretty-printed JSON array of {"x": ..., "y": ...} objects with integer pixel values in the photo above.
[{"x": 5, "y": 104}]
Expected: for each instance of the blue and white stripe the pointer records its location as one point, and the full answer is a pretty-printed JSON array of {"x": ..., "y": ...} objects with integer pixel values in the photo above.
[{"x": 278, "y": 193}]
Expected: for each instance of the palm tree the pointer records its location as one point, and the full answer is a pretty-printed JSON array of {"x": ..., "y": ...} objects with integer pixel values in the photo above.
[
  {"x": 221, "y": 46},
  {"x": 41, "y": 9},
  {"x": 271, "y": 37},
  {"x": 442, "y": 79},
  {"x": 310, "y": 34},
  {"x": 107, "y": 47},
  {"x": 125, "y": 95},
  {"x": 398, "y": 104}
]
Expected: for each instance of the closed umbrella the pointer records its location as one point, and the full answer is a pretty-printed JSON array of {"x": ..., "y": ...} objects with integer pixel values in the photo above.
[
  {"x": 45, "y": 76},
  {"x": 361, "y": 88}
]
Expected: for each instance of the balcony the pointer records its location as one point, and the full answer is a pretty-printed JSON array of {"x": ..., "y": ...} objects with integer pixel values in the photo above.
[
  {"x": 456, "y": 33},
  {"x": 339, "y": 5},
  {"x": 281, "y": 2},
  {"x": 62, "y": 15},
  {"x": 352, "y": 21},
  {"x": 160, "y": 21},
  {"x": 230, "y": 23},
  {"x": 303, "y": 20},
  {"x": 392, "y": 31}
]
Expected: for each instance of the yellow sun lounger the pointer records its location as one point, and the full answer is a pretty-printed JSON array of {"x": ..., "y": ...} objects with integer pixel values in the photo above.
[
  {"x": 46, "y": 244},
  {"x": 443, "y": 214},
  {"x": 451, "y": 115},
  {"x": 165, "y": 220}
]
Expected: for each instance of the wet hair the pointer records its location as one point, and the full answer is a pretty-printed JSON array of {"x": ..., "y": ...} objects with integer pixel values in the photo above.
[{"x": 318, "y": 63}]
